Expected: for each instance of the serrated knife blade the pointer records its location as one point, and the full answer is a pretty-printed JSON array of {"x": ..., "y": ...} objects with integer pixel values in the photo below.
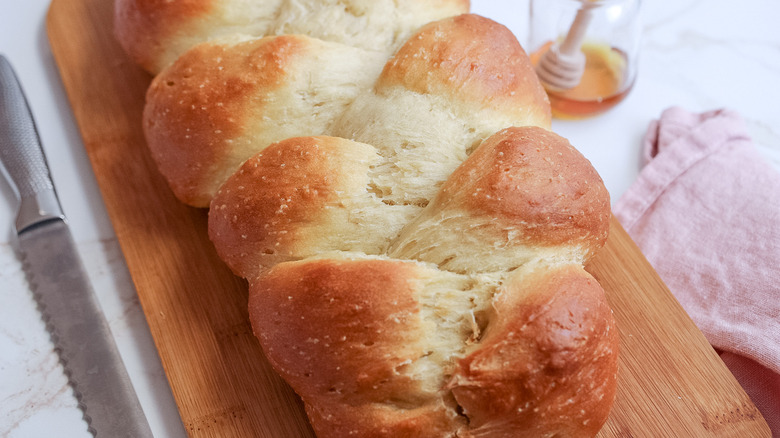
[{"x": 65, "y": 297}]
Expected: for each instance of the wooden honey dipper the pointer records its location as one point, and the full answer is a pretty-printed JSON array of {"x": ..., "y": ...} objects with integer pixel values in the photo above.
[{"x": 562, "y": 66}]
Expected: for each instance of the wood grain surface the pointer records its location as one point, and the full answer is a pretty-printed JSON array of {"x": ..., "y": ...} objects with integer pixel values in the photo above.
[{"x": 671, "y": 383}]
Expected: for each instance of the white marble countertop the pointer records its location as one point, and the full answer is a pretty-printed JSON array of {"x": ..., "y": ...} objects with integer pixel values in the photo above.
[{"x": 697, "y": 54}]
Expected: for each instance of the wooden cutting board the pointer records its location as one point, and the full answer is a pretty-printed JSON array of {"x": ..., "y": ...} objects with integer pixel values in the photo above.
[{"x": 670, "y": 382}]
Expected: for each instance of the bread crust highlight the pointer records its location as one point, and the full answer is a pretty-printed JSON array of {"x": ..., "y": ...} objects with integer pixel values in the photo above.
[
  {"x": 475, "y": 331},
  {"x": 412, "y": 233}
]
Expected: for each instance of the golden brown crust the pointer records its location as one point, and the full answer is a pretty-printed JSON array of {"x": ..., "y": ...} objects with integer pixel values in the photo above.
[
  {"x": 347, "y": 333},
  {"x": 538, "y": 184},
  {"x": 524, "y": 194},
  {"x": 197, "y": 108},
  {"x": 155, "y": 32},
  {"x": 439, "y": 97},
  {"x": 222, "y": 102},
  {"x": 547, "y": 363},
  {"x": 459, "y": 347},
  {"x": 403, "y": 286},
  {"x": 254, "y": 216},
  {"x": 386, "y": 347},
  {"x": 343, "y": 333},
  {"x": 145, "y": 27},
  {"x": 471, "y": 58},
  {"x": 289, "y": 202}
]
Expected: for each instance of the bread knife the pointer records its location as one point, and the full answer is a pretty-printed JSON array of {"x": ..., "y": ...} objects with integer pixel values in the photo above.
[{"x": 65, "y": 298}]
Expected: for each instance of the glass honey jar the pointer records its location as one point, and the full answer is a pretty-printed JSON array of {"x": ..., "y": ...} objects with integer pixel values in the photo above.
[{"x": 603, "y": 34}]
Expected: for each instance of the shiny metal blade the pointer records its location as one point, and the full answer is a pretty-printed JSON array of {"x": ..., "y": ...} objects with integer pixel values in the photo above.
[
  {"x": 80, "y": 332},
  {"x": 60, "y": 284}
]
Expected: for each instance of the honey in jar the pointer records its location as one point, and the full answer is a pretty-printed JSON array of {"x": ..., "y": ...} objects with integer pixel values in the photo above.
[
  {"x": 603, "y": 85},
  {"x": 609, "y": 41}
]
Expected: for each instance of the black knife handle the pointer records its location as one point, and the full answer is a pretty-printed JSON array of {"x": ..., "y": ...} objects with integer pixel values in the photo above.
[{"x": 22, "y": 156}]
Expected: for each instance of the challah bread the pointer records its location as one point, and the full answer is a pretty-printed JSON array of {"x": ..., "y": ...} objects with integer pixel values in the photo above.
[
  {"x": 301, "y": 197},
  {"x": 546, "y": 365},
  {"x": 223, "y": 101},
  {"x": 453, "y": 84},
  {"x": 417, "y": 138},
  {"x": 412, "y": 233},
  {"x": 382, "y": 344},
  {"x": 155, "y": 32},
  {"x": 526, "y": 194},
  {"x": 390, "y": 348}
]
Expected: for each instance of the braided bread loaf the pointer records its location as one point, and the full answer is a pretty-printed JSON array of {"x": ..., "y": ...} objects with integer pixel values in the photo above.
[
  {"x": 156, "y": 32},
  {"x": 412, "y": 232}
]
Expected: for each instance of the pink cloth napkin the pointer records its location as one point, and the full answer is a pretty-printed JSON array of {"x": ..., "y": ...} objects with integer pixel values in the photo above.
[{"x": 705, "y": 210}]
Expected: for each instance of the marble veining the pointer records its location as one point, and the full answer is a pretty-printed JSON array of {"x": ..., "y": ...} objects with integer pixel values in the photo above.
[
  {"x": 34, "y": 385},
  {"x": 33, "y": 380}
]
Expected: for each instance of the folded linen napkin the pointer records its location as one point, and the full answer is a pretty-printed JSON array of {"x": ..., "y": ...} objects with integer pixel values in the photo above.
[{"x": 705, "y": 210}]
